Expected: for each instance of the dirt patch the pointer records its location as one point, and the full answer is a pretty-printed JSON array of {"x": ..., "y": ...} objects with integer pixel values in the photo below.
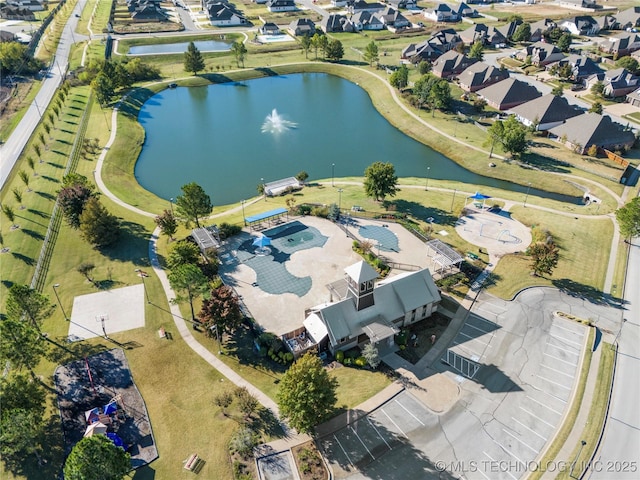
[
  {"x": 309, "y": 462},
  {"x": 95, "y": 382}
]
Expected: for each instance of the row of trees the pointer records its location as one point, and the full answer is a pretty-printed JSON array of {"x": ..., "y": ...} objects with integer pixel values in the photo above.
[
  {"x": 107, "y": 76},
  {"x": 330, "y": 49},
  {"x": 82, "y": 210}
]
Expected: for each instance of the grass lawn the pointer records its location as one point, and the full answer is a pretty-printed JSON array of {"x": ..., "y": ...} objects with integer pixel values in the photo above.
[
  {"x": 578, "y": 240},
  {"x": 19, "y": 105},
  {"x": 356, "y": 386}
]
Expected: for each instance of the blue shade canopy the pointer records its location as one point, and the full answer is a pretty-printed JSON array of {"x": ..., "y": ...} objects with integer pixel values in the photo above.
[
  {"x": 262, "y": 241},
  {"x": 479, "y": 196},
  {"x": 110, "y": 408},
  {"x": 117, "y": 441}
]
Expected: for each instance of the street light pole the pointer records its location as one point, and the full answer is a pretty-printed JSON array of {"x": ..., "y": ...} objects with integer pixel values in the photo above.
[
  {"x": 333, "y": 169},
  {"x": 171, "y": 205},
  {"x": 527, "y": 195},
  {"x": 141, "y": 274},
  {"x": 582, "y": 444},
  {"x": 453, "y": 200},
  {"x": 426, "y": 184},
  {"x": 339, "y": 201},
  {"x": 55, "y": 286}
]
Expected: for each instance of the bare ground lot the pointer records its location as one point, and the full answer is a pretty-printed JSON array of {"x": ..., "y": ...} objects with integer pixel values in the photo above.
[{"x": 110, "y": 379}]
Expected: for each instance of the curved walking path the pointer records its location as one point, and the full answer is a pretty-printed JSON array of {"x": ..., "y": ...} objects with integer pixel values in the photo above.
[{"x": 181, "y": 324}]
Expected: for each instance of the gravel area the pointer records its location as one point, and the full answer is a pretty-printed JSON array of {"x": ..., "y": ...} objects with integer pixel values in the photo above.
[{"x": 111, "y": 379}]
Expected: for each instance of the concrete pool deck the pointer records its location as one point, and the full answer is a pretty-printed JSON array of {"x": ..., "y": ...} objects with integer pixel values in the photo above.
[{"x": 282, "y": 313}]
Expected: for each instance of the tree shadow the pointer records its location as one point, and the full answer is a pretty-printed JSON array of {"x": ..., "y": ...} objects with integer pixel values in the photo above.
[
  {"x": 135, "y": 100},
  {"x": 27, "y": 260},
  {"x": 548, "y": 164},
  {"x": 39, "y": 213},
  {"x": 267, "y": 424},
  {"x": 240, "y": 346},
  {"x": 423, "y": 212},
  {"x": 587, "y": 292},
  {"x": 144, "y": 473},
  {"x": 216, "y": 77},
  {"x": 130, "y": 246},
  {"x": 47, "y": 195},
  {"x": 33, "y": 234},
  {"x": 49, "y": 179}
]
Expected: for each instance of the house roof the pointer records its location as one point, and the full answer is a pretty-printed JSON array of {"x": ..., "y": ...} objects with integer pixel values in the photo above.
[
  {"x": 476, "y": 32},
  {"x": 509, "y": 91},
  {"x": 546, "y": 109},
  {"x": 361, "y": 272},
  {"x": 635, "y": 95},
  {"x": 593, "y": 129},
  {"x": 393, "y": 298},
  {"x": 629, "y": 17},
  {"x": 303, "y": 24},
  {"x": 479, "y": 73},
  {"x": 450, "y": 61}
]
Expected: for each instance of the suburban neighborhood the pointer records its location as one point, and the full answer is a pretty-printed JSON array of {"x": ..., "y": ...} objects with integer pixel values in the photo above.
[{"x": 319, "y": 239}]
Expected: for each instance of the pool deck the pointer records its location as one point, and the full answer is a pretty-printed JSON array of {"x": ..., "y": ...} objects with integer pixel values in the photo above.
[{"x": 285, "y": 312}]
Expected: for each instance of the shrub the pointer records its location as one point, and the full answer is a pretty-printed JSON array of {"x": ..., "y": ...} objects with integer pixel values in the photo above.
[
  {"x": 288, "y": 357},
  {"x": 340, "y": 356},
  {"x": 347, "y": 361},
  {"x": 227, "y": 230},
  {"x": 360, "y": 361},
  {"x": 322, "y": 212},
  {"x": 263, "y": 351},
  {"x": 266, "y": 338},
  {"x": 304, "y": 209}
]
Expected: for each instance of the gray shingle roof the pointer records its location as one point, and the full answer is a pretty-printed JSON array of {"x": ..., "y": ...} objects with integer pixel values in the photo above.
[
  {"x": 508, "y": 92},
  {"x": 593, "y": 129},
  {"x": 546, "y": 109}
]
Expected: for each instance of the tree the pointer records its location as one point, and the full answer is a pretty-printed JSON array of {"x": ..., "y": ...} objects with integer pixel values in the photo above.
[
  {"x": 302, "y": 176},
  {"x": 193, "y": 203},
  {"x": 305, "y": 43},
  {"x": 239, "y": 51},
  {"x": 380, "y": 181},
  {"x": 188, "y": 279},
  {"x": 18, "y": 391},
  {"x": 32, "y": 165},
  {"x": 10, "y": 214},
  {"x": 424, "y": 67},
  {"x": 334, "y": 50},
  {"x": 371, "y": 53},
  {"x": 47, "y": 128},
  {"x": 476, "y": 50},
  {"x": 246, "y": 402},
  {"x": 557, "y": 91},
  {"x": 598, "y": 89},
  {"x": 21, "y": 344},
  {"x": 370, "y": 352},
  {"x": 97, "y": 226},
  {"x": 104, "y": 88},
  {"x": 72, "y": 200},
  {"x": 320, "y": 41},
  {"x": 522, "y": 33},
  {"x": 564, "y": 42},
  {"x": 85, "y": 270},
  {"x": 243, "y": 441},
  {"x": 307, "y": 394},
  {"x": 511, "y": 134},
  {"x": 630, "y": 63},
  {"x": 21, "y": 432},
  {"x": 629, "y": 218},
  {"x": 400, "y": 78},
  {"x": 223, "y": 400},
  {"x": 544, "y": 257},
  {"x": 23, "y": 300},
  {"x": 17, "y": 194},
  {"x": 183, "y": 252},
  {"x": 596, "y": 107},
  {"x": 221, "y": 310},
  {"x": 167, "y": 222},
  {"x": 440, "y": 95},
  {"x": 193, "y": 61},
  {"x": 479, "y": 104},
  {"x": 24, "y": 176},
  {"x": 38, "y": 150},
  {"x": 96, "y": 458}
]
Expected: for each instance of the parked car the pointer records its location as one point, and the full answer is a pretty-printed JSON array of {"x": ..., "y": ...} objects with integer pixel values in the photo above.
[{"x": 577, "y": 87}]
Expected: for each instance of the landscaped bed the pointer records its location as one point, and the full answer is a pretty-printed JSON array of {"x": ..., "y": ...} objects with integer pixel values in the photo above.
[
  {"x": 94, "y": 382},
  {"x": 416, "y": 340}
]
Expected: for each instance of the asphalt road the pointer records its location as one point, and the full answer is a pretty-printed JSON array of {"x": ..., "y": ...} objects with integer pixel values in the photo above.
[
  {"x": 619, "y": 455},
  {"x": 11, "y": 150}
]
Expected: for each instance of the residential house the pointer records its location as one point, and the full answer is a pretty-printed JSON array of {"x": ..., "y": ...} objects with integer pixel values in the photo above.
[
  {"x": 224, "y": 15},
  {"x": 368, "y": 312},
  {"x": 541, "y": 53},
  {"x": 476, "y": 33},
  {"x": 634, "y": 98},
  {"x": 621, "y": 44},
  {"x": 619, "y": 82},
  {"x": 451, "y": 64},
  {"x": 302, "y": 26},
  {"x": 339, "y": 3},
  {"x": 366, "y": 21},
  {"x": 607, "y": 22},
  {"x": 539, "y": 28},
  {"x": 579, "y": 3},
  {"x": 508, "y": 29},
  {"x": 508, "y": 93},
  {"x": 440, "y": 42},
  {"x": 629, "y": 18},
  {"x": 281, "y": 5},
  {"x": 580, "y": 25},
  {"x": 337, "y": 23},
  {"x": 465, "y": 10},
  {"x": 581, "y": 132},
  {"x": 149, "y": 12},
  {"x": 31, "y": 5},
  {"x": 6, "y": 36},
  {"x": 362, "y": 6},
  {"x": 270, "y": 28},
  {"x": 480, "y": 75},
  {"x": 14, "y": 13},
  {"x": 582, "y": 67},
  {"x": 545, "y": 112},
  {"x": 441, "y": 13},
  {"x": 397, "y": 4},
  {"x": 391, "y": 17}
]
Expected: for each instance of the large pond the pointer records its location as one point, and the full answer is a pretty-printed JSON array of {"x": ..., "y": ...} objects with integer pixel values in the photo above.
[
  {"x": 203, "y": 46},
  {"x": 228, "y": 137}
]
